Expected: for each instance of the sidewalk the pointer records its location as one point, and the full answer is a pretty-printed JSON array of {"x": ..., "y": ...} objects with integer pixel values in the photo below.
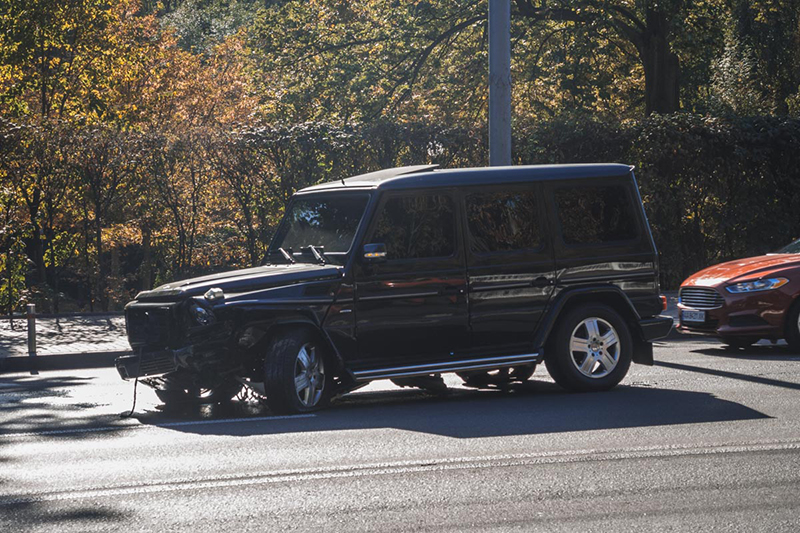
[{"x": 66, "y": 342}]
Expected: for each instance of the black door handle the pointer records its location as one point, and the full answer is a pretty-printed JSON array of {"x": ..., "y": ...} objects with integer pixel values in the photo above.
[{"x": 541, "y": 281}]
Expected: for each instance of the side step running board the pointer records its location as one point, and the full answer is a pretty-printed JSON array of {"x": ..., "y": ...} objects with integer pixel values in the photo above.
[{"x": 446, "y": 366}]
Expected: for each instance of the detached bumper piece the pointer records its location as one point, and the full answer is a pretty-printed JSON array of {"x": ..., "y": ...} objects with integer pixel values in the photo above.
[
  {"x": 146, "y": 364},
  {"x": 655, "y": 328}
]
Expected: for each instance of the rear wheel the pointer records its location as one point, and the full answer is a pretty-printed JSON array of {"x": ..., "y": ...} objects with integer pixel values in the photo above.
[
  {"x": 591, "y": 349},
  {"x": 295, "y": 373}
]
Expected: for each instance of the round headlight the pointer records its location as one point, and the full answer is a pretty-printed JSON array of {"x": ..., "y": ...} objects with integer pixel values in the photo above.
[{"x": 201, "y": 315}]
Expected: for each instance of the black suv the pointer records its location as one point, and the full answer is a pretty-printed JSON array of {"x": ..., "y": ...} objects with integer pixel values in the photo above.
[{"x": 410, "y": 272}]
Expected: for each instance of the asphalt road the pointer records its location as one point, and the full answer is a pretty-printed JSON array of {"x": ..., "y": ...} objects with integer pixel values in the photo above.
[{"x": 706, "y": 440}]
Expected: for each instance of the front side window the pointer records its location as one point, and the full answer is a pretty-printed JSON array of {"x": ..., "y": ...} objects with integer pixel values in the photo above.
[
  {"x": 328, "y": 222},
  {"x": 502, "y": 221},
  {"x": 415, "y": 227},
  {"x": 595, "y": 214}
]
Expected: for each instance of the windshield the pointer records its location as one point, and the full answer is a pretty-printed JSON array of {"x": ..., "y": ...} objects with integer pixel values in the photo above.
[
  {"x": 793, "y": 248},
  {"x": 328, "y": 223}
]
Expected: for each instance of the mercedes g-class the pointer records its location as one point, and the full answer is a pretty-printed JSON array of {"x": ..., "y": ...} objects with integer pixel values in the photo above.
[{"x": 408, "y": 273}]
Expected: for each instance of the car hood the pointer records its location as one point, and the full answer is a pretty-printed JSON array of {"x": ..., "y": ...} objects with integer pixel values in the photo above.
[
  {"x": 740, "y": 269},
  {"x": 245, "y": 280}
]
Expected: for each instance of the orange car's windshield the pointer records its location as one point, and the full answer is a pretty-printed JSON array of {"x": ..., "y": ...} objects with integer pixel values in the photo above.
[{"x": 793, "y": 248}]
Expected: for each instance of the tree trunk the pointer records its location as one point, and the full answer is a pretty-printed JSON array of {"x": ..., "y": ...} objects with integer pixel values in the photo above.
[
  {"x": 101, "y": 269},
  {"x": 115, "y": 280},
  {"x": 661, "y": 66},
  {"x": 147, "y": 261},
  {"x": 88, "y": 263},
  {"x": 10, "y": 288}
]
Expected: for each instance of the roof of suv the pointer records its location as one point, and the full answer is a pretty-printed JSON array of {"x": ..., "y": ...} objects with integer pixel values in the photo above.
[{"x": 428, "y": 176}]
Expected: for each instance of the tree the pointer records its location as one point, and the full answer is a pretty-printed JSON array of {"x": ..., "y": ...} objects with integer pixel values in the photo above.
[
  {"x": 322, "y": 58},
  {"x": 49, "y": 49},
  {"x": 767, "y": 33},
  {"x": 103, "y": 160},
  {"x": 12, "y": 262},
  {"x": 32, "y": 158}
]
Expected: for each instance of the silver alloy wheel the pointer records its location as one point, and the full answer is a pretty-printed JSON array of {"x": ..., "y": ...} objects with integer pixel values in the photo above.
[
  {"x": 594, "y": 347},
  {"x": 309, "y": 375}
]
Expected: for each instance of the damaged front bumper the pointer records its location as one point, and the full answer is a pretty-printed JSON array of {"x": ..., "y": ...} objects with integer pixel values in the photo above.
[{"x": 148, "y": 363}]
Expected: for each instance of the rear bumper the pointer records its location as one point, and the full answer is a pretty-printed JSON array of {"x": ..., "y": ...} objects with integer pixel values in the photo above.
[{"x": 656, "y": 327}]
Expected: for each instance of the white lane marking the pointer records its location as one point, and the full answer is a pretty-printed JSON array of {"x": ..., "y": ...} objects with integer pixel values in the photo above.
[
  {"x": 393, "y": 468},
  {"x": 152, "y": 426}
]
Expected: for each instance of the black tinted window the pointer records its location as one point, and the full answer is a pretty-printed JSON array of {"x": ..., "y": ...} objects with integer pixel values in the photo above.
[
  {"x": 416, "y": 226},
  {"x": 502, "y": 221},
  {"x": 594, "y": 214}
]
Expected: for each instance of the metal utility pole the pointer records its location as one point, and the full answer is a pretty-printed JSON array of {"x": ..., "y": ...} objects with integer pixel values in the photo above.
[{"x": 499, "y": 82}]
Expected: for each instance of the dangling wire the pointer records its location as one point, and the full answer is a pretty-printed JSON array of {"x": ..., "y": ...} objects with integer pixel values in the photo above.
[
  {"x": 133, "y": 407},
  {"x": 135, "y": 384}
]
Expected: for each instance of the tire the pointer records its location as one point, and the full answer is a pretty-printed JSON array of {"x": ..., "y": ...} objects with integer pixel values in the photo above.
[
  {"x": 739, "y": 343},
  {"x": 793, "y": 327},
  {"x": 193, "y": 394},
  {"x": 499, "y": 377},
  {"x": 292, "y": 355},
  {"x": 566, "y": 359}
]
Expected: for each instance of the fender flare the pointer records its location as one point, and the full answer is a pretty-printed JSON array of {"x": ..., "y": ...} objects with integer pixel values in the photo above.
[
  {"x": 305, "y": 322},
  {"x": 642, "y": 349}
]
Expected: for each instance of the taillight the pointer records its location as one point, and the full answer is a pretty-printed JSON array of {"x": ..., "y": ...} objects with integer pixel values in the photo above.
[{"x": 663, "y": 302}]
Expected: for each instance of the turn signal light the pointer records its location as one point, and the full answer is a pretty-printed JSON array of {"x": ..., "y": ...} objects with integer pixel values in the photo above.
[{"x": 663, "y": 303}]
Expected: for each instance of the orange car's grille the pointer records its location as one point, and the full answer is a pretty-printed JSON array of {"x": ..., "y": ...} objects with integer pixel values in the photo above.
[{"x": 701, "y": 298}]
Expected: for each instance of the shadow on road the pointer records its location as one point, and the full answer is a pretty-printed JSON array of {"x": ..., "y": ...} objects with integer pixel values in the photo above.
[
  {"x": 26, "y": 402},
  {"x": 536, "y": 407},
  {"x": 755, "y": 353},
  {"x": 733, "y": 375}
]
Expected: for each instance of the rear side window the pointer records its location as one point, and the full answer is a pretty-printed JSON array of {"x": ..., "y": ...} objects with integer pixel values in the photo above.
[
  {"x": 415, "y": 227},
  {"x": 595, "y": 214},
  {"x": 502, "y": 221}
]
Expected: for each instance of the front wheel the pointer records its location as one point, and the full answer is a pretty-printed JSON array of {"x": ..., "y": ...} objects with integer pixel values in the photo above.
[
  {"x": 296, "y": 378},
  {"x": 591, "y": 349}
]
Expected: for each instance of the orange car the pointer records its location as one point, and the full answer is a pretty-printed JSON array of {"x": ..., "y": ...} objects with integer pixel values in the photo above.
[{"x": 745, "y": 300}]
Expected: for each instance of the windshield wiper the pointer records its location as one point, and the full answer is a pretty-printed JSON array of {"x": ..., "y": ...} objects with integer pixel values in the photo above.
[
  {"x": 286, "y": 255},
  {"x": 317, "y": 253}
]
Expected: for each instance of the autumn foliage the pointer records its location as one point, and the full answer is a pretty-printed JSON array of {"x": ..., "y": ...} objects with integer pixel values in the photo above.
[{"x": 142, "y": 141}]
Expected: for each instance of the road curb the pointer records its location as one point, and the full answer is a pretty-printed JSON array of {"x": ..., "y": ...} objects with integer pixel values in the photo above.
[{"x": 70, "y": 361}]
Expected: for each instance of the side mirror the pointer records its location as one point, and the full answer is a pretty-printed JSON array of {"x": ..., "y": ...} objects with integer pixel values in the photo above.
[{"x": 374, "y": 253}]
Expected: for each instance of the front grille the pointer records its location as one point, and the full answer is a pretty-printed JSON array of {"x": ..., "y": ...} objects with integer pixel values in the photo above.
[
  {"x": 701, "y": 298},
  {"x": 146, "y": 364},
  {"x": 148, "y": 324},
  {"x": 157, "y": 364}
]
